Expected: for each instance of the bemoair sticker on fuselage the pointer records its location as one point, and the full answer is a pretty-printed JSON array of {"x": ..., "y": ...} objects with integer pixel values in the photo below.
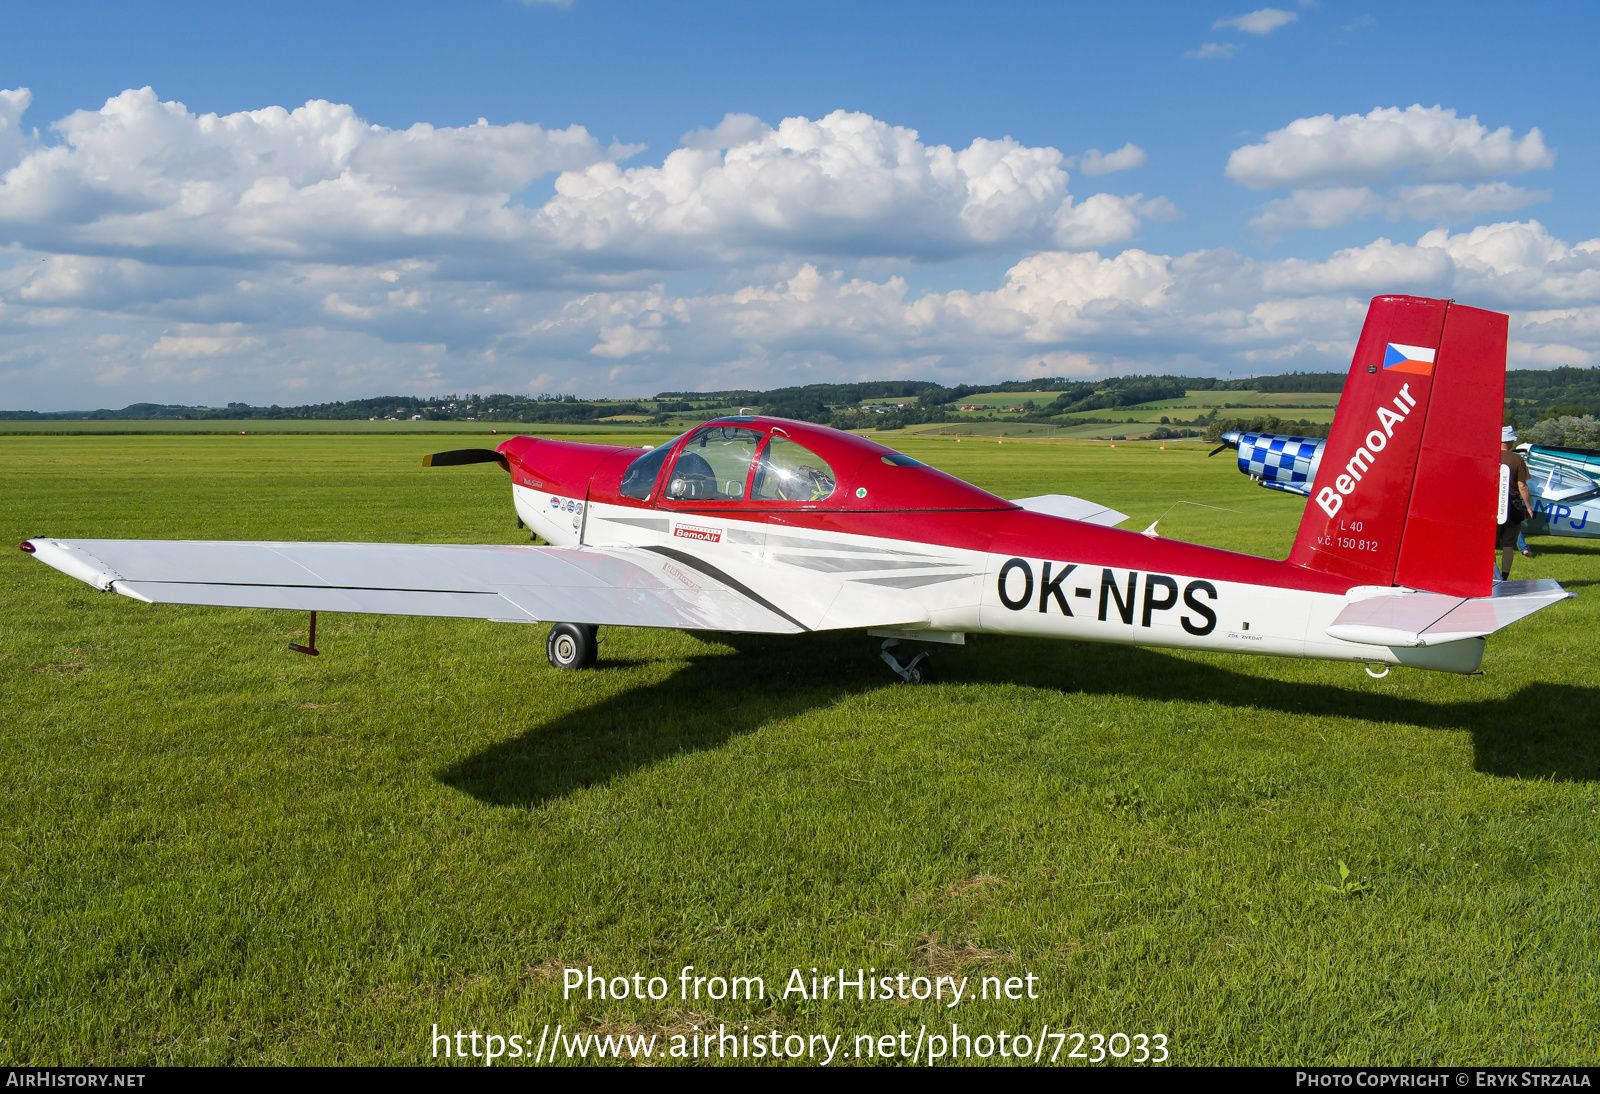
[
  {"x": 1127, "y": 597},
  {"x": 697, "y": 532}
]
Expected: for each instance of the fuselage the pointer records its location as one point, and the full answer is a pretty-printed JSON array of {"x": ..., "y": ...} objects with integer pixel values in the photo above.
[{"x": 893, "y": 539}]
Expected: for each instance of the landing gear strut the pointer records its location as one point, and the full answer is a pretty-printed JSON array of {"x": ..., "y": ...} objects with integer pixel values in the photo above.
[
  {"x": 572, "y": 645},
  {"x": 919, "y": 670}
]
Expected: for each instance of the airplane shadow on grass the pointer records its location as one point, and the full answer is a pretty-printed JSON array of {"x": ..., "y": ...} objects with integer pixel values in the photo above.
[
  {"x": 712, "y": 699},
  {"x": 1540, "y": 731}
]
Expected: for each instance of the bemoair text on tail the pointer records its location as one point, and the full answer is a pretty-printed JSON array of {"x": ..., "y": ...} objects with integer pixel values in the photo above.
[{"x": 1405, "y": 494}]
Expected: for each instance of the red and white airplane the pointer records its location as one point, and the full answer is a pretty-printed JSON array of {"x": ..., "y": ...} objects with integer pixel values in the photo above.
[{"x": 765, "y": 525}]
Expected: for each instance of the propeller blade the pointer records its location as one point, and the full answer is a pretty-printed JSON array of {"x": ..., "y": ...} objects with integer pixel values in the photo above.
[
  {"x": 1217, "y": 449},
  {"x": 465, "y": 455}
]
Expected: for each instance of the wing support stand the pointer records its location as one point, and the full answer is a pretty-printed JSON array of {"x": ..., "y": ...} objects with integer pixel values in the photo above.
[
  {"x": 918, "y": 670},
  {"x": 310, "y": 648}
]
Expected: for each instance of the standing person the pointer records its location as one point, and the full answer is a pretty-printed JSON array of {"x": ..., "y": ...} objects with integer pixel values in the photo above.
[{"x": 1520, "y": 505}]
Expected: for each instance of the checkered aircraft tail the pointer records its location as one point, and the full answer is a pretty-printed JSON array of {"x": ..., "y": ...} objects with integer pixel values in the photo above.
[{"x": 1406, "y": 490}]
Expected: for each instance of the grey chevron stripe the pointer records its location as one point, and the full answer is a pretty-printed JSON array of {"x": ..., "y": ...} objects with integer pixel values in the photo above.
[
  {"x": 653, "y": 524},
  {"x": 828, "y": 565},
  {"x": 911, "y": 582}
]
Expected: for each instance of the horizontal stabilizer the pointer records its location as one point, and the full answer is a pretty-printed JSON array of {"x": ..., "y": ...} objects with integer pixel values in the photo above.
[
  {"x": 1406, "y": 618},
  {"x": 1064, "y": 505}
]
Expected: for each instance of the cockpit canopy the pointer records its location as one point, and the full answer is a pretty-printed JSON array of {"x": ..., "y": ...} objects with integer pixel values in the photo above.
[{"x": 750, "y": 463}]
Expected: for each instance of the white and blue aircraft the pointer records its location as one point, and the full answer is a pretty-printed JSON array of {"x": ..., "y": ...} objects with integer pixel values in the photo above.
[{"x": 1564, "y": 482}]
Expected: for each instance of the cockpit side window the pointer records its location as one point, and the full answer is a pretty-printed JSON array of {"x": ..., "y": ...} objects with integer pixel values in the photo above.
[
  {"x": 714, "y": 465},
  {"x": 640, "y": 477},
  {"x": 791, "y": 472}
]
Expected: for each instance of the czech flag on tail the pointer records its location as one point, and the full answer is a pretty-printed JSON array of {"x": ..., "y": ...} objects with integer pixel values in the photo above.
[{"x": 1417, "y": 359}]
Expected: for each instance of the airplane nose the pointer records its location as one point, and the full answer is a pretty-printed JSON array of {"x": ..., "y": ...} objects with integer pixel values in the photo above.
[
  {"x": 1230, "y": 439},
  {"x": 560, "y": 467}
]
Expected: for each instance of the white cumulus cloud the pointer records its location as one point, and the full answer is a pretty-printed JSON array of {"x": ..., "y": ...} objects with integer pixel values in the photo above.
[
  {"x": 1261, "y": 21},
  {"x": 1445, "y": 203},
  {"x": 1134, "y": 311},
  {"x": 146, "y": 179},
  {"x": 1430, "y": 143},
  {"x": 1213, "y": 51},
  {"x": 733, "y": 129},
  {"x": 1129, "y": 156},
  {"x": 328, "y": 330},
  {"x": 843, "y": 185},
  {"x": 191, "y": 343},
  {"x": 14, "y": 140}
]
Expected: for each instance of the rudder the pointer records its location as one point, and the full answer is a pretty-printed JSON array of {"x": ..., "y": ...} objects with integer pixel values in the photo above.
[{"x": 1448, "y": 545}]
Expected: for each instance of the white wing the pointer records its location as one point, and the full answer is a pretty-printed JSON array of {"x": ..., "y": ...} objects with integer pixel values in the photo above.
[
  {"x": 1064, "y": 505},
  {"x": 624, "y": 586}
]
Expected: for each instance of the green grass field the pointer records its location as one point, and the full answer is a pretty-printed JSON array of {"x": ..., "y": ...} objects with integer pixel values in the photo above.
[
  {"x": 1037, "y": 431},
  {"x": 218, "y": 851},
  {"x": 1201, "y": 399}
]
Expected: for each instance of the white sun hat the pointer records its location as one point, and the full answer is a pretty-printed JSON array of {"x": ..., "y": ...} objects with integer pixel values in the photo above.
[{"x": 1508, "y": 435}]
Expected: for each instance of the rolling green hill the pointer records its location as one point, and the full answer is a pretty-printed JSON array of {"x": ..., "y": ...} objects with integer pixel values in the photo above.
[{"x": 1306, "y": 399}]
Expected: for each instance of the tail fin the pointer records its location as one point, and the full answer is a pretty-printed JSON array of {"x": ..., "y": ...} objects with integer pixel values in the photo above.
[{"x": 1406, "y": 489}]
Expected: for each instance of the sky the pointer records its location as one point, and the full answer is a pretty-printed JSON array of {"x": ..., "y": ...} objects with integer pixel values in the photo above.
[{"x": 296, "y": 203}]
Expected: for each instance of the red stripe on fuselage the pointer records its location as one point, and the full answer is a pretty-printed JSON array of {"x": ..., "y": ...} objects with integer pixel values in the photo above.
[{"x": 1023, "y": 534}]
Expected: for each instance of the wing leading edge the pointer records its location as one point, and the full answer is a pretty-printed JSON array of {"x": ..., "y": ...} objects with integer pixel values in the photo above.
[{"x": 633, "y": 587}]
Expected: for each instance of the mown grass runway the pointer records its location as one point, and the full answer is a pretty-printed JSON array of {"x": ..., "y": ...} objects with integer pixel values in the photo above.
[{"x": 215, "y": 850}]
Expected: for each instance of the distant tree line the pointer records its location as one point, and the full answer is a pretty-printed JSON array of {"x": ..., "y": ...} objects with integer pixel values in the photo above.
[
  {"x": 1267, "y": 423},
  {"x": 1567, "y": 431},
  {"x": 507, "y": 408},
  {"x": 1532, "y": 395}
]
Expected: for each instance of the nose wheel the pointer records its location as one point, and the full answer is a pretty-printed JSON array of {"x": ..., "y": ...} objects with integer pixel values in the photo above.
[
  {"x": 572, "y": 645},
  {"x": 918, "y": 670}
]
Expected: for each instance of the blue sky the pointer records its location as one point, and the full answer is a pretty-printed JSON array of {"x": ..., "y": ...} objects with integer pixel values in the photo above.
[{"x": 419, "y": 265}]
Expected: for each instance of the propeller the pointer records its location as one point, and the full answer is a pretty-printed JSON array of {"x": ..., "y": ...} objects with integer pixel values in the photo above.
[
  {"x": 465, "y": 455},
  {"x": 1230, "y": 439}
]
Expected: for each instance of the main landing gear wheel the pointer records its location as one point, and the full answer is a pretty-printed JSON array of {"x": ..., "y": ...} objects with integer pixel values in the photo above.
[
  {"x": 571, "y": 646},
  {"x": 919, "y": 670}
]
